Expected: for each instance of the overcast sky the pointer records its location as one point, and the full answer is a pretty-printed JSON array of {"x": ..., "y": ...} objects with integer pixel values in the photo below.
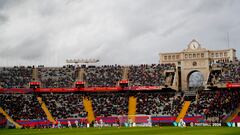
[{"x": 115, "y": 31}]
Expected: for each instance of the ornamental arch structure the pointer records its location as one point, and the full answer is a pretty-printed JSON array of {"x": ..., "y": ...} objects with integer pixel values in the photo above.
[{"x": 195, "y": 59}]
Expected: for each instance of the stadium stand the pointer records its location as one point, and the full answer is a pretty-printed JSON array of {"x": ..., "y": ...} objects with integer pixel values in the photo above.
[
  {"x": 56, "y": 77},
  {"x": 107, "y": 104},
  {"x": 15, "y": 77},
  {"x": 214, "y": 105},
  {"x": 210, "y": 106},
  {"x": 103, "y": 76},
  {"x": 158, "y": 103},
  {"x": 149, "y": 75},
  {"x": 8, "y": 118},
  {"x": 65, "y": 105},
  {"x": 22, "y": 106},
  {"x": 225, "y": 72},
  {"x": 3, "y": 120},
  {"x": 1, "y": 117}
]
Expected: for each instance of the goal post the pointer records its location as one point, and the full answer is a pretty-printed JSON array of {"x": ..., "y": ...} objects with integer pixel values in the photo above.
[{"x": 135, "y": 120}]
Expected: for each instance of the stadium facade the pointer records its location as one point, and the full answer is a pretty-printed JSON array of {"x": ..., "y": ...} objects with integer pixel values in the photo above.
[{"x": 196, "y": 59}]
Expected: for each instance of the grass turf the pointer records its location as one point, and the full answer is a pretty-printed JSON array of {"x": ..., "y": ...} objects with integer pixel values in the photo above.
[{"x": 126, "y": 131}]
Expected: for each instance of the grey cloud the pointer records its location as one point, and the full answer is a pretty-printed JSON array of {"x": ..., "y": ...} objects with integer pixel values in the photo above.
[
  {"x": 30, "y": 49},
  {"x": 4, "y": 3},
  {"x": 9, "y": 3},
  {"x": 3, "y": 19},
  {"x": 212, "y": 6},
  {"x": 116, "y": 31}
]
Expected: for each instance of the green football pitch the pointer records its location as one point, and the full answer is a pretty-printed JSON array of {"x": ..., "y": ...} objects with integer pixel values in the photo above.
[{"x": 126, "y": 131}]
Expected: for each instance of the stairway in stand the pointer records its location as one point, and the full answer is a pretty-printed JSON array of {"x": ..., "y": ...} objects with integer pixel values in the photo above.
[
  {"x": 233, "y": 115},
  {"x": 132, "y": 104},
  {"x": 89, "y": 109},
  {"x": 183, "y": 112},
  {"x": 9, "y": 118},
  {"x": 45, "y": 109}
]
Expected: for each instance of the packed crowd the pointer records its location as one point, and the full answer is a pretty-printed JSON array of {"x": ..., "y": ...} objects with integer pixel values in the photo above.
[
  {"x": 94, "y": 76},
  {"x": 214, "y": 105},
  {"x": 149, "y": 75},
  {"x": 15, "y": 77},
  {"x": 229, "y": 72},
  {"x": 65, "y": 105},
  {"x": 108, "y": 75},
  {"x": 57, "y": 77},
  {"x": 22, "y": 106},
  {"x": 158, "y": 103},
  {"x": 3, "y": 121},
  {"x": 107, "y": 104},
  {"x": 103, "y": 76},
  {"x": 1, "y": 116}
]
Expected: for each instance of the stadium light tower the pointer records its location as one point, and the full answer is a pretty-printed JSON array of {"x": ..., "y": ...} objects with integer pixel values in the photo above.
[{"x": 83, "y": 61}]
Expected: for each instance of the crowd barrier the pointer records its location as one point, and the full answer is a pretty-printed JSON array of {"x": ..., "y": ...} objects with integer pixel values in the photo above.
[
  {"x": 111, "y": 120},
  {"x": 156, "y": 120},
  {"x": 93, "y": 89},
  {"x": 71, "y": 90},
  {"x": 3, "y": 122}
]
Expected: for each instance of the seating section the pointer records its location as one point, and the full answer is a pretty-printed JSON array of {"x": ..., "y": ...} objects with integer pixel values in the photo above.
[
  {"x": 65, "y": 105},
  {"x": 2, "y": 116},
  {"x": 94, "y": 76},
  {"x": 109, "y": 75},
  {"x": 22, "y": 106},
  {"x": 158, "y": 104},
  {"x": 215, "y": 104},
  {"x": 149, "y": 75},
  {"x": 103, "y": 76},
  {"x": 15, "y": 77},
  {"x": 107, "y": 104},
  {"x": 60, "y": 77},
  {"x": 230, "y": 72}
]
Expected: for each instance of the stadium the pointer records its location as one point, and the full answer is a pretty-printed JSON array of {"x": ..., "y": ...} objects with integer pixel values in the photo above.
[
  {"x": 119, "y": 67},
  {"x": 165, "y": 98}
]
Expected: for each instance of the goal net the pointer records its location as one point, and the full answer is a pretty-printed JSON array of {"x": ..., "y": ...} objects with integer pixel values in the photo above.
[{"x": 135, "y": 120}]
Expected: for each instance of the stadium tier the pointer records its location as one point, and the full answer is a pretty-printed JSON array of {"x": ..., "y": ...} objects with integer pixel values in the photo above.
[
  {"x": 43, "y": 96},
  {"x": 108, "y": 104},
  {"x": 15, "y": 77},
  {"x": 108, "y": 75},
  {"x": 22, "y": 106},
  {"x": 65, "y": 105},
  {"x": 149, "y": 75},
  {"x": 103, "y": 76},
  {"x": 163, "y": 107},
  {"x": 58, "y": 77},
  {"x": 224, "y": 72},
  {"x": 94, "y": 76}
]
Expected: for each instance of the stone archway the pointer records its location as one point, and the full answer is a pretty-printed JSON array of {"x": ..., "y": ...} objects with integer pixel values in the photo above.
[
  {"x": 195, "y": 80},
  {"x": 186, "y": 74}
]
